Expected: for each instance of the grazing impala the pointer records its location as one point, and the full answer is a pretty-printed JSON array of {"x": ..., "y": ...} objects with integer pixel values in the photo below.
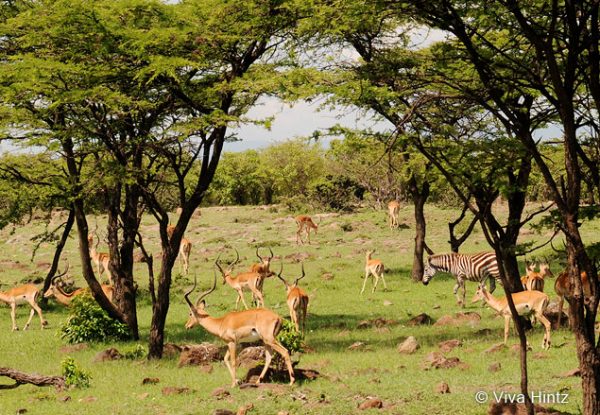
[
  {"x": 526, "y": 304},
  {"x": 304, "y": 222},
  {"x": 264, "y": 266},
  {"x": 393, "y": 212},
  {"x": 564, "y": 288},
  {"x": 246, "y": 281},
  {"x": 185, "y": 248},
  {"x": 27, "y": 293},
  {"x": 101, "y": 259},
  {"x": 297, "y": 301},
  {"x": 240, "y": 327},
  {"x": 66, "y": 298},
  {"x": 373, "y": 267}
]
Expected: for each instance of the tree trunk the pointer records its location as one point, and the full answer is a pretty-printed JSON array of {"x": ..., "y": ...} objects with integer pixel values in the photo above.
[
  {"x": 160, "y": 308},
  {"x": 82, "y": 233},
  {"x": 419, "y": 197},
  {"x": 57, "y": 253},
  {"x": 121, "y": 258}
]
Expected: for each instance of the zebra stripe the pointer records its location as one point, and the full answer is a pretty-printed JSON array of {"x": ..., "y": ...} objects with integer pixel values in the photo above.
[{"x": 475, "y": 267}]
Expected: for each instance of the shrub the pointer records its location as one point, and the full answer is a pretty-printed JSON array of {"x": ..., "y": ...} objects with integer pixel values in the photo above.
[
  {"x": 290, "y": 339},
  {"x": 74, "y": 376},
  {"x": 88, "y": 322}
]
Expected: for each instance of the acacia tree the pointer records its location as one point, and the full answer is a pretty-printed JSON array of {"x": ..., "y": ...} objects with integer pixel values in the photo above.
[
  {"x": 149, "y": 90},
  {"x": 561, "y": 72}
]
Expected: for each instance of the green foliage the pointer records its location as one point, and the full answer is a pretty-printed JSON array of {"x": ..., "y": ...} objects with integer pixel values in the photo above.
[
  {"x": 88, "y": 322},
  {"x": 337, "y": 193},
  {"x": 346, "y": 227},
  {"x": 289, "y": 337},
  {"x": 74, "y": 376},
  {"x": 137, "y": 353}
]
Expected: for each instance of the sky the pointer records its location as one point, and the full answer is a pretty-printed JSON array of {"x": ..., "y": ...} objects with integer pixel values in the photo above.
[
  {"x": 303, "y": 118},
  {"x": 299, "y": 120}
]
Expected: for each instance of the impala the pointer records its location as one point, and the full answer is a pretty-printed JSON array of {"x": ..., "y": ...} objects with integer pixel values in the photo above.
[
  {"x": 185, "y": 248},
  {"x": 529, "y": 270},
  {"x": 66, "y": 298},
  {"x": 564, "y": 288},
  {"x": 246, "y": 281},
  {"x": 263, "y": 267},
  {"x": 535, "y": 280},
  {"x": 27, "y": 293},
  {"x": 297, "y": 301},
  {"x": 306, "y": 223},
  {"x": 240, "y": 327},
  {"x": 101, "y": 259},
  {"x": 527, "y": 303},
  {"x": 393, "y": 212},
  {"x": 375, "y": 268}
]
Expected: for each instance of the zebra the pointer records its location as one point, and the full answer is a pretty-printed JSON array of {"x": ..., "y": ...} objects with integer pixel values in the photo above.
[{"x": 474, "y": 267}]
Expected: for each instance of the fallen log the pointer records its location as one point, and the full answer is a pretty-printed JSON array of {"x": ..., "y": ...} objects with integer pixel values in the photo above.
[{"x": 21, "y": 378}]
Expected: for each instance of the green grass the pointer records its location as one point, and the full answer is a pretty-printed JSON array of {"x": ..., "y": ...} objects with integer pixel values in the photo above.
[{"x": 335, "y": 310}]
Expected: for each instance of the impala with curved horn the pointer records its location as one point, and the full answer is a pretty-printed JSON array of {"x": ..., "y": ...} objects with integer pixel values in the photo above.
[
  {"x": 297, "y": 301},
  {"x": 240, "y": 327},
  {"x": 65, "y": 298},
  {"x": 264, "y": 266},
  {"x": 246, "y": 281}
]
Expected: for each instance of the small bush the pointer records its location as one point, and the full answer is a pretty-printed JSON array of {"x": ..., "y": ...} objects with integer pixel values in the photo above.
[
  {"x": 138, "y": 352},
  {"x": 88, "y": 322},
  {"x": 347, "y": 227},
  {"x": 74, "y": 376},
  {"x": 289, "y": 337}
]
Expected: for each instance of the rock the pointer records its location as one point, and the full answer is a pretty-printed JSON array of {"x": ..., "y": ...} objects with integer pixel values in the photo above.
[
  {"x": 496, "y": 348},
  {"x": 371, "y": 403},
  {"x": 408, "y": 346},
  {"x": 251, "y": 356},
  {"x": 175, "y": 390},
  {"x": 436, "y": 307},
  {"x": 387, "y": 303},
  {"x": 357, "y": 346},
  {"x": 442, "y": 388},
  {"x": 376, "y": 322},
  {"x": 420, "y": 320},
  {"x": 171, "y": 350},
  {"x": 495, "y": 367},
  {"x": 569, "y": 374},
  {"x": 438, "y": 361},
  {"x": 220, "y": 393},
  {"x": 449, "y": 345},
  {"x": 150, "y": 381},
  {"x": 199, "y": 354},
  {"x": 503, "y": 408},
  {"x": 461, "y": 318},
  {"x": 107, "y": 355},
  {"x": 445, "y": 320},
  {"x": 242, "y": 410}
]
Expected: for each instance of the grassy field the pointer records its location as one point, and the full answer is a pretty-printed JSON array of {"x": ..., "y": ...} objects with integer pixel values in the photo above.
[{"x": 348, "y": 376}]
